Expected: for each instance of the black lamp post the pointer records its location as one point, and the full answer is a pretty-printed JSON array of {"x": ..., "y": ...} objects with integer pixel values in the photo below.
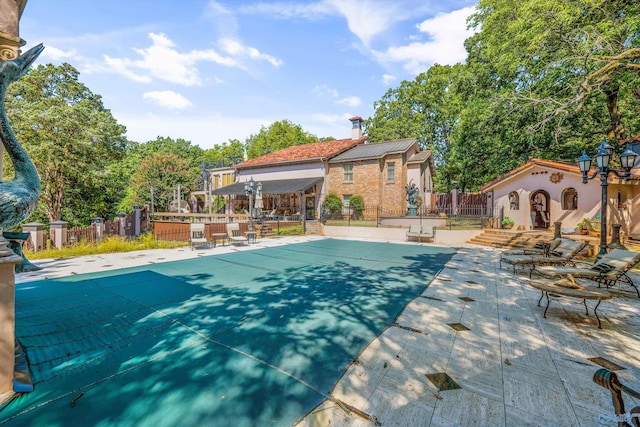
[
  {"x": 249, "y": 190},
  {"x": 603, "y": 156}
]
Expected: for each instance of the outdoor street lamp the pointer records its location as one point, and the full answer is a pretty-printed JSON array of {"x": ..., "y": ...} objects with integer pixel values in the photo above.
[
  {"x": 249, "y": 190},
  {"x": 603, "y": 156}
]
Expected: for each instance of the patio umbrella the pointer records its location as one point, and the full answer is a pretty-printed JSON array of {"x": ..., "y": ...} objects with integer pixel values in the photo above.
[{"x": 259, "y": 204}]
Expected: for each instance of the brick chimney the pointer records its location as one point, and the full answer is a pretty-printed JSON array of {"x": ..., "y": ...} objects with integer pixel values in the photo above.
[{"x": 356, "y": 129}]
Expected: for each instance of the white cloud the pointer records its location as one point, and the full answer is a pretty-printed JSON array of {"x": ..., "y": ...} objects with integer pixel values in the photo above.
[
  {"x": 322, "y": 90},
  {"x": 367, "y": 18},
  {"x": 168, "y": 99},
  {"x": 163, "y": 61},
  {"x": 446, "y": 31},
  {"x": 350, "y": 101},
  {"x": 388, "y": 79},
  {"x": 56, "y": 54},
  {"x": 287, "y": 10},
  {"x": 236, "y": 49}
]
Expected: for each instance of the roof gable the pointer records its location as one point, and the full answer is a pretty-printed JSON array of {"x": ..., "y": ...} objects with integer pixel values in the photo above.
[
  {"x": 305, "y": 152},
  {"x": 565, "y": 167}
]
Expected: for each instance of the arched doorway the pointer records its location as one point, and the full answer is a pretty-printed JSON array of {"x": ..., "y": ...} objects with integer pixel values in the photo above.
[{"x": 540, "y": 205}]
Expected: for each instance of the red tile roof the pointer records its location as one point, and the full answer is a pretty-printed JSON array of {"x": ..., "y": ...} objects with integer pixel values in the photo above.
[
  {"x": 303, "y": 153},
  {"x": 566, "y": 167}
]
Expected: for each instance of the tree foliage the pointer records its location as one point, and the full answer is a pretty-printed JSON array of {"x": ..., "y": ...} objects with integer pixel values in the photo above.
[
  {"x": 71, "y": 138},
  {"x": 225, "y": 154},
  {"x": 278, "y": 135},
  {"x": 542, "y": 79}
]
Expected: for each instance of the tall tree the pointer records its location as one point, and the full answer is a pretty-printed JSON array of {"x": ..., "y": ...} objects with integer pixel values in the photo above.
[
  {"x": 70, "y": 136},
  {"x": 225, "y": 154},
  {"x": 161, "y": 173},
  {"x": 575, "y": 63},
  {"x": 426, "y": 108},
  {"x": 278, "y": 135}
]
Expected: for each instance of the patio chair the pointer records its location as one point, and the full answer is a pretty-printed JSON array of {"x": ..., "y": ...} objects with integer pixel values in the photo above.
[
  {"x": 541, "y": 248},
  {"x": 414, "y": 231},
  {"x": 608, "y": 270},
  {"x": 233, "y": 232},
  {"x": 197, "y": 236},
  {"x": 563, "y": 254}
]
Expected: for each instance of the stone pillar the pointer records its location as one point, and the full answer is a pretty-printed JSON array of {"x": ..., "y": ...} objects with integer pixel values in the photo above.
[
  {"x": 121, "y": 218},
  {"x": 136, "y": 226},
  {"x": 36, "y": 235},
  {"x": 97, "y": 223},
  {"x": 8, "y": 261},
  {"x": 58, "y": 230},
  {"x": 454, "y": 200},
  {"x": 557, "y": 230}
]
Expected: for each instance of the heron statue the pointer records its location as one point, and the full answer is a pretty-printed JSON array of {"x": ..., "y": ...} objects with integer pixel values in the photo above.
[{"x": 19, "y": 196}]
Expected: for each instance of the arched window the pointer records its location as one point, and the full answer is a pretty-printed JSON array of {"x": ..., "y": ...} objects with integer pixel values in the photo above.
[
  {"x": 514, "y": 201},
  {"x": 569, "y": 199}
]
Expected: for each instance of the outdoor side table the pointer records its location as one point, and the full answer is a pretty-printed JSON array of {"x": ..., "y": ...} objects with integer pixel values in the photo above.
[
  {"x": 216, "y": 236},
  {"x": 552, "y": 290}
]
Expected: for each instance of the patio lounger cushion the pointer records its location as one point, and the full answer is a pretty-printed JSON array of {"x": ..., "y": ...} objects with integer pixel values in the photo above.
[
  {"x": 537, "y": 250},
  {"x": 609, "y": 269},
  {"x": 563, "y": 254}
]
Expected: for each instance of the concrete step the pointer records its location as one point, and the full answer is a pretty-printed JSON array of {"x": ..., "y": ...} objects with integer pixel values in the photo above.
[
  {"x": 313, "y": 228},
  {"x": 511, "y": 239}
]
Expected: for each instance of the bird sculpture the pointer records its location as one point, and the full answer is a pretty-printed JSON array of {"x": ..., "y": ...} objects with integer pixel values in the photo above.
[{"x": 19, "y": 196}]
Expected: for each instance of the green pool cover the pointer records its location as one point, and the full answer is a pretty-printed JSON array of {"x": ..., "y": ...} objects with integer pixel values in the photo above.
[{"x": 251, "y": 338}]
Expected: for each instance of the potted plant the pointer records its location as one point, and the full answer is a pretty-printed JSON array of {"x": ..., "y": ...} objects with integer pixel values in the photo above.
[
  {"x": 582, "y": 227},
  {"x": 507, "y": 222}
]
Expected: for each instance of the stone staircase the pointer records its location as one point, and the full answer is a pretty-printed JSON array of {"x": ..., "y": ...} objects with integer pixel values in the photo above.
[
  {"x": 313, "y": 228},
  {"x": 509, "y": 239}
]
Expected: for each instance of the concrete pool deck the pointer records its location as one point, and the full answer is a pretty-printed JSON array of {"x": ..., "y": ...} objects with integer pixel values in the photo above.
[{"x": 475, "y": 323}]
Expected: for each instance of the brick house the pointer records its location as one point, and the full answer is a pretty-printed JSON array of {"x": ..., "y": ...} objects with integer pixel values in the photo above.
[
  {"x": 380, "y": 172},
  {"x": 294, "y": 178}
]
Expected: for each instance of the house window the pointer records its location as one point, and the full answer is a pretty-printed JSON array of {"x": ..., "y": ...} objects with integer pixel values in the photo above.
[
  {"x": 347, "y": 173},
  {"x": 569, "y": 199},
  {"x": 514, "y": 201},
  {"x": 391, "y": 172}
]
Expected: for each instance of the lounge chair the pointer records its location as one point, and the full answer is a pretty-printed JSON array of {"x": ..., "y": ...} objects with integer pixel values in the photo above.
[
  {"x": 563, "y": 254},
  {"x": 608, "y": 270},
  {"x": 233, "y": 232},
  {"x": 414, "y": 231},
  {"x": 197, "y": 236},
  {"x": 541, "y": 248}
]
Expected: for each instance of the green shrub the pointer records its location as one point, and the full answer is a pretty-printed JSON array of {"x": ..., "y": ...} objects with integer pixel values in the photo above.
[{"x": 333, "y": 203}]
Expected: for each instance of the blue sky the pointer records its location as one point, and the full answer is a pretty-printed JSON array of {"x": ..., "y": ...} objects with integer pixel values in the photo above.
[{"x": 209, "y": 71}]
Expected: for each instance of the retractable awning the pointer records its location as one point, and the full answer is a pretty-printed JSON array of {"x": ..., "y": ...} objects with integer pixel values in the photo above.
[{"x": 280, "y": 186}]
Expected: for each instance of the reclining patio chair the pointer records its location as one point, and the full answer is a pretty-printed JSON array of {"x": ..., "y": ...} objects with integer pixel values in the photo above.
[
  {"x": 541, "y": 248},
  {"x": 608, "y": 270},
  {"x": 563, "y": 254}
]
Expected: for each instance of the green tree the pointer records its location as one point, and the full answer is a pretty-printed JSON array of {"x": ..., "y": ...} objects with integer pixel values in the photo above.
[
  {"x": 277, "y": 136},
  {"x": 71, "y": 138},
  {"x": 225, "y": 154},
  {"x": 161, "y": 173},
  {"x": 572, "y": 65}
]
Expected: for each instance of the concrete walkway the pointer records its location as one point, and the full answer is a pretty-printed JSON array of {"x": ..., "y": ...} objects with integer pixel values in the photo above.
[
  {"x": 478, "y": 325},
  {"x": 482, "y": 327}
]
